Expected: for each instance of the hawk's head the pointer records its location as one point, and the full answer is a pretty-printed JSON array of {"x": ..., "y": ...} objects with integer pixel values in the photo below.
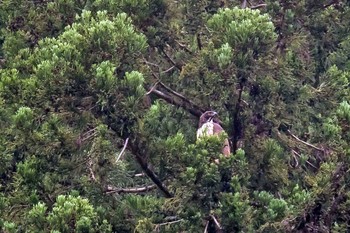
[{"x": 208, "y": 116}]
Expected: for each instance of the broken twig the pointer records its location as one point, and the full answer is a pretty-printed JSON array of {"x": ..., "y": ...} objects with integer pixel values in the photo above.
[
  {"x": 206, "y": 227},
  {"x": 122, "y": 152},
  {"x": 216, "y": 222}
]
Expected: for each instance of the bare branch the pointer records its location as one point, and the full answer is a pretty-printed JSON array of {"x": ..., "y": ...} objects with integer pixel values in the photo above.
[
  {"x": 296, "y": 153},
  {"x": 295, "y": 160},
  {"x": 151, "y": 63},
  {"x": 258, "y": 6},
  {"x": 184, "y": 102},
  {"x": 131, "y": 190},
  {"x": 306, "y": 143},
  {"x": 183, "y": 47},
  {"x": 152, "y": 88},
  {"x": 188, "y": 106},
  {"x": 123, "y": 150},
  {"x": 147, "y": 169},
  {"x": 166, "y": 223},
  {"x": 166, "y": 71},
  {"x": 206, "y": 227},
  {"x": 178, "y": 94},
  {"x": 216, "y": 222},
  {"x": 86, "y": 136},
  {"x": 139, "y": 175},
  {"x": 171, "y": 60}
]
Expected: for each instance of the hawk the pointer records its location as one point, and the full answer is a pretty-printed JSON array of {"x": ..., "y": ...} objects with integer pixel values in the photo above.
[{"x": 209, "y": 124}]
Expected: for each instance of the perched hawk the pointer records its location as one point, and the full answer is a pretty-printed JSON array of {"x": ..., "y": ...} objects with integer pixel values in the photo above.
[{"x": 209, "y": 124}]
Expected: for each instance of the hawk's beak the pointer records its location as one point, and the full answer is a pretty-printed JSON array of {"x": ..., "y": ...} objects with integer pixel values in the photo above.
[{"x": 212, "y": 117}]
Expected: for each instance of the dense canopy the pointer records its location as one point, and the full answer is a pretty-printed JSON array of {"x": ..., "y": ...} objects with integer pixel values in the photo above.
[{"x": 100, "y": 102}]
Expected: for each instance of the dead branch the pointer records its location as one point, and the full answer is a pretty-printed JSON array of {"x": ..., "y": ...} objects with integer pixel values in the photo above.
[
  {"x": 216, "y": 222},
  {"x": 86, "y": 136},
  {"x": 179, "y": 67},
  {"x": 167, "y": 70},
  {"x": 206, "y": 227},
  {"x": 296, "y": 153},
  {"x": 139, "y": 175},
  {"x": 305, "y": 143},
  {"x": 183, "y": 47},
  {"x": 258, "y": 6},
  {"x": 150, "y": 63},
  {"x": 168, "y": 89},
  {"x": 123, "y": 150},
  {"x": 152, "y": 88},
  {"x": 130, "y": 190},
  {"x": 156, "y": 228},
  {"x": 147, "y": 169},
  {"x": 183, "y": 102},
  {"x": 175, "y": 93},
  {"x": 295, "y": 160},
  {"x": 188, "y": 106}
]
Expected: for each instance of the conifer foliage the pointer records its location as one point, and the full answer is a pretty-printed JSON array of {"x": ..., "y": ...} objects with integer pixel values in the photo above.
[{"x": 100, "y": 100}]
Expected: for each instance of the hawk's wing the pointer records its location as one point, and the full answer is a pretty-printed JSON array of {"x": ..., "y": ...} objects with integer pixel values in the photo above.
[{"x": 217, "y": 129}]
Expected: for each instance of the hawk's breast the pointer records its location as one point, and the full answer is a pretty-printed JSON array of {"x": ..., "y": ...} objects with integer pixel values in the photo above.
[{"x": 207, "y": 129}]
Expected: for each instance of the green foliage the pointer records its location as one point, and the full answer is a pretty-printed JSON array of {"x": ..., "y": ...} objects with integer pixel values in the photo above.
[
  {"x": 68, "y": 214},
  {"x": 242, "y": 28},
  {"x": 344, "y": 111},
  {"x": 83, "y": 83},
  {"x": 23, "y": 118}
]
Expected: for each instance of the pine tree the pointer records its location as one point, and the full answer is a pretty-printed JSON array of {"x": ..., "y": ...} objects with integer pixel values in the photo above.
[{"x": 100, "y": 103}]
